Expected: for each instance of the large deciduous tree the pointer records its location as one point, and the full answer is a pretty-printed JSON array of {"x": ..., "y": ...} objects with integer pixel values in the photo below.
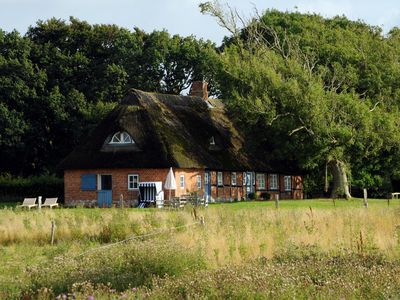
[{"x": 313, "y": 92}]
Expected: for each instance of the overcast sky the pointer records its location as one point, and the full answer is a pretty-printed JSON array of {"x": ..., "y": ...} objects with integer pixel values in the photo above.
[{"x": 183, "y": 16}]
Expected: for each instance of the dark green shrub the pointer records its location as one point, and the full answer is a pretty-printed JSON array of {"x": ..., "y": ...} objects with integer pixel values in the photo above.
[
  {"x": 265, "y": 196},
  {"x": 251, "y": 196},
  {"x": 17, "y": 188}
]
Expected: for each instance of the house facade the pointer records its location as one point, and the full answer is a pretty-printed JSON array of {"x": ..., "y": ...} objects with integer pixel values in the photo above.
[{"x": 128, "y": 156}]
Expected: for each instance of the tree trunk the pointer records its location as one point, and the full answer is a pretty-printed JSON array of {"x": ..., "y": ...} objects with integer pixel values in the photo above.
[{"x": 340, "y": 183}]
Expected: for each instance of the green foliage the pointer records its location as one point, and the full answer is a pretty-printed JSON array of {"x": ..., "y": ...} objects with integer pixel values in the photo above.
[
  {"x": 61, "y": 78},
  {"x": 17, "y": 188},
  {"x": 309, "y": 91}
]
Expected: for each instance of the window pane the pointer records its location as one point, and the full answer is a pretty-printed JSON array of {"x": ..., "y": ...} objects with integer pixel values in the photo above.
[
  {"x": 273, "y": 182},
  {"x": 121, "y": 138},
  {"x": 261, "y": 181},
  {"x": 133, "y": 181},
  {"x": 219, "y": 174}
]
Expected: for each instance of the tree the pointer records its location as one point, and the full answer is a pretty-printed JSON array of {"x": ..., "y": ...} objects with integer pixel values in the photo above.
[{"x": 306, "y": 96}]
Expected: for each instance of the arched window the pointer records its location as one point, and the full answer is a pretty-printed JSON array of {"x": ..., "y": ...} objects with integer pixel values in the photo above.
[
  {"x": 212, "y": 141},
  {"x": 121, "y": 138}
]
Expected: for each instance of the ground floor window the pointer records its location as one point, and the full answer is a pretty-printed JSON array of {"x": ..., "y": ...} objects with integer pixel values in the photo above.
[
  {"x": 287, "y": 183},
  {"x": 219, "y": 179},
  {"x": 261, "y": 181},
  {"x": 199, "y": 182},
  {"x": 133, "y": 181},
  {"x": 233, "y": 178},
  {"x": 273, "y": 181},
  {"x": 182, "y": 181}
]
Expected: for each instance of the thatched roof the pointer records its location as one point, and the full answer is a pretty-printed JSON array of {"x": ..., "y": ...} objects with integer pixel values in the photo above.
[{"x": 169, "y": 131}]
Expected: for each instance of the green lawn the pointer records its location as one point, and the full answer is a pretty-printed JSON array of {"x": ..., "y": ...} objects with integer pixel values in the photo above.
[{"x": 313, "y": 203}]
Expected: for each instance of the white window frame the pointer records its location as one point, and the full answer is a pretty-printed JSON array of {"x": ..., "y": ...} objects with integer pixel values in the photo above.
[
  {"x": 131, "y": 180},
  {"x": 287, "y": 180},
  {"x": 273, "y": 181},
  {"x": 261, "y": 181},
  {"x": 220, "y": 179},
  {"x": 199, "y": 182},
  {"x": 121, "y": 138},
  {"x": 182, "y": 181},
  {"x": 244, "y": 178},
  {"x": 212, "y": 141},
  {"x": 233, "y": 178}
]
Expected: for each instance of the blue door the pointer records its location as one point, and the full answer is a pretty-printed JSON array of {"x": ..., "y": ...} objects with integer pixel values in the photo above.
[
  {"x": 104, "y": 198},
  {"x": 207, "y": 186},
  {"x": 104, "y": 194}
]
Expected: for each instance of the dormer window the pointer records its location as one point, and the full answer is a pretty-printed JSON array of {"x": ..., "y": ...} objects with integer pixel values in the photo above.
[
  {"x": 121, "y": 138},
  {"x": 212, "y": 141}
]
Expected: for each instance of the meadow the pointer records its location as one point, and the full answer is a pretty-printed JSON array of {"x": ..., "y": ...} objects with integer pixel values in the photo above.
[{"x": 303, "y": 249}]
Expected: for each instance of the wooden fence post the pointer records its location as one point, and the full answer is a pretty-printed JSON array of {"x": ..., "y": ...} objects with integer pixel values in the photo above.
[
  {"x": 276, "y": 201},
  {"x": 53, "y": 227},
  {"x": 365, "y": 198},
  {"x": 121, "y": 200},
  {"x": 202, "y": 221}
]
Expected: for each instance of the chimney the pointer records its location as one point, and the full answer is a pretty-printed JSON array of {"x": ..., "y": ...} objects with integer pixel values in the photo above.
[{"x": 199, "y": 89}]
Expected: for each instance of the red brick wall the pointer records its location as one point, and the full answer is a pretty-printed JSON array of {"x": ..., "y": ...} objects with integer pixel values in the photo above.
[
  {"x": 73, "y": 192},
  {"x": 72, "y": 182},
  {"x": 190, "y": 181}
]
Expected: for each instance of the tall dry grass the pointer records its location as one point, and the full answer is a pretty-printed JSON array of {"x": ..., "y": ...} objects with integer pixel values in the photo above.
[
  {"x": 235, "y": 236},
  {"x": 229, "y": 236}
]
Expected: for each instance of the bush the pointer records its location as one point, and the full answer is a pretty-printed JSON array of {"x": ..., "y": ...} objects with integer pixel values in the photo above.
[
  {"x": 17, "y": 188},
  {"x": 251, "y": 196},
  {"x": 265, "y": 196}
]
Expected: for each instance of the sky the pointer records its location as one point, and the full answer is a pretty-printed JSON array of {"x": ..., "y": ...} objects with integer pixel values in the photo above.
[{"x": 183, "y": 16}]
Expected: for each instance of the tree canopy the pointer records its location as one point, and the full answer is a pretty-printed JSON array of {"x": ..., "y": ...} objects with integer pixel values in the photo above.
[
  {"x": 62, "y": 77},
  {"x": 312, "y": 93},
  {"x": 315, "y": 93}
]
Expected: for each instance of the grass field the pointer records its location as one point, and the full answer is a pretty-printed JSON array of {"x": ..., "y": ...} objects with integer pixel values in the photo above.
[{"x": 304, "y": 249}]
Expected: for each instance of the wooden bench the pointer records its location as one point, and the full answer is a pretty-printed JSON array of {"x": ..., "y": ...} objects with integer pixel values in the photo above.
[
  {"x": 50, "y": 202},
  {"x": 29, "y": 202}
]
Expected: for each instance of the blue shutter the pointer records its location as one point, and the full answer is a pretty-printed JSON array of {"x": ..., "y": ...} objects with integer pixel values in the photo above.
[{"x": 88, "y": 182}]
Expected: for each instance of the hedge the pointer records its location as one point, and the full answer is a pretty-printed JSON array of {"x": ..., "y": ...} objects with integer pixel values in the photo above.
[{"x": 17, "y": 188}]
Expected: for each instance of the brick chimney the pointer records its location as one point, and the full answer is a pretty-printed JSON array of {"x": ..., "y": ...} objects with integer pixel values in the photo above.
[{"x": 199, "y": 89}]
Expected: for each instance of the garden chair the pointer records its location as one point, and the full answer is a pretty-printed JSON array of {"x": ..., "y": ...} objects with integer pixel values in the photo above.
[
  {"x": 29, "y": 202},
  {"x": 50, "y": 202}
]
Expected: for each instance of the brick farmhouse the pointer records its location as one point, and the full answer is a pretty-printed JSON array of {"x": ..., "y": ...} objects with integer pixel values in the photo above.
[{"x": 128, "y": 155}]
